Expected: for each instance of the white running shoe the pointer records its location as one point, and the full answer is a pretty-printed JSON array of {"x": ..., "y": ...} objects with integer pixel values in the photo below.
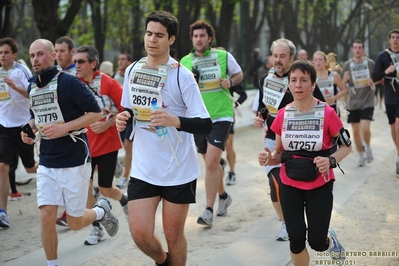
[
  {"x": 282, "y": 235},
  {"x": 206, "y": 218},
  {"x": 4, "y": 219},
  {"x": 369, "y": 155},
  {"x": 96, "y": 235},
  {"x": 362, "y": 160},
  {"x": 223, "y": 205},
  {"x": 122, "y": 183}
]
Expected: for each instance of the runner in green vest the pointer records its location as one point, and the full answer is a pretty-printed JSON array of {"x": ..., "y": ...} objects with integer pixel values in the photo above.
[{"x": 215, "y": 71}]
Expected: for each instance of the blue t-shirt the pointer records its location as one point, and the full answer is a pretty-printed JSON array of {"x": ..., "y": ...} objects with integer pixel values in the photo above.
[{"x": 74, "y": 100}]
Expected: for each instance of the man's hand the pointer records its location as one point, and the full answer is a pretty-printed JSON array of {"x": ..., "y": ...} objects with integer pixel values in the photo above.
[
  {"x": 9, "y": 82},
  {"x": 390, "y": 70},
  {"x": 258, "y": 122},
  {"x": 161, "y": 118},
  {"x": 100, "y": 126},
  {"x": 121, "y": 119},
  {"x": 53, "y": 131}
]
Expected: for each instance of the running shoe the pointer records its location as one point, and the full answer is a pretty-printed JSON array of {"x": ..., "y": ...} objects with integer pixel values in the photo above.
[
  {"x": 4, "y": 219},
  {"x": 362, "y": 160},
  {"x": 337, "y": 251},
  {"x": 109, "y": 221},
  {"x": 122, "y": 183},
  {"x": 118, "y": 169},
  {"x": 206, "y": 218},
  {"x": 62, "y": 220},
  {"x": 369, "y": 155},
  {"x": 231, "y": 178},
  {"x": 16, "y": 196},
  {"x": 223, "y": 205},
  {"x": 96, "y": 235},
  {"x": 282, "y": 235},
  {"x": 126, "y": 208},
  {"x": 96, "y": 193}
]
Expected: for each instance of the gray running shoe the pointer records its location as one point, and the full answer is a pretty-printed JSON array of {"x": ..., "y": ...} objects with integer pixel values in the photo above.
[
  {"x": 96, "y": 193},
  {"x": 231, "y": 178},
  {"x": 223, "y": 205},
  {"x": 282, "y": 235},
  {"x": 362, "y": 160},
  {"x": 122, "y": 183},
  {"x": 126, "y": 208},
  {"x": 206, "y": 218},
  {"x": 369, "y": 155},
  {"x": 337, "y": 253},
  {"x": 109, "y": 221},
  {"x": 4, "y": 219},
  {"x": 96, "y": 235},
  {"x": 118, "y": 169}
]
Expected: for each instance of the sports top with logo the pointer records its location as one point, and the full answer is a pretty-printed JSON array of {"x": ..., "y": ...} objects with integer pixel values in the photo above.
[
  {"x": 360, "y": 74},
  {"x": 107, "y": 105},
  {"x": 361, "y": 95},
  {"x": 145, "y": 85},
  {"x": 44, "y": 104},
  {"x": 311, "y": 130},
  {"x": 213, "y": 65},
  {"x": 154, "y": 162},
  {"x": 326, "y": 86},
  {"x": 303, "y": 131},
  {"x": 274, "y": 89},
  {"x": 14, "y": 107},
  {"x": 74, "y": 100}
]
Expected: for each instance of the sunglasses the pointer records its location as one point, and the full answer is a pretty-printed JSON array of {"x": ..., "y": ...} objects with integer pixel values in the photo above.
[{"x": 80, "y": 61}]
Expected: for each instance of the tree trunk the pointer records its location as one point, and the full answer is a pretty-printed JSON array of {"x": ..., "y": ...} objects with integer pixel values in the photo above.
[{"x": 47, "y": 19}]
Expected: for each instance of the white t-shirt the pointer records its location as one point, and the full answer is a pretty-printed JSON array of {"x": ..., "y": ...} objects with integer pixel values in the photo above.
[
  {"x": 153, "y": 160},
  {"x": 14, "y": 112}
]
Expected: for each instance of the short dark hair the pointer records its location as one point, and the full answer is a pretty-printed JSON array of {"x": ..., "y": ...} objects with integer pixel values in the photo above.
[
  {"x": 92, "y": 53},
  {"x": 358, "y": 41},
  {"x": 66, "y": 40},
  {"x": 167, "y": 19},
  {"x": 392, "y": 31},
  {"x": 201, "y": 24},
  {"x": 11, "y": 42},
  {"x": 306, "y": 67},
  {"x": 129, "y": 57}
]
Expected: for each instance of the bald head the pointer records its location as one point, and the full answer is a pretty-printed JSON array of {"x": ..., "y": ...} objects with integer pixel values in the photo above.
[
  {"x": 302, "y": 55},
  {"x": 42, "y": 55}
]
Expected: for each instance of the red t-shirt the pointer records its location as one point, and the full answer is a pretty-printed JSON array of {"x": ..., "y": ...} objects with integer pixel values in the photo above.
[
  {"x": 109, "y": 140},
  {"x": 332, "y": 125}
]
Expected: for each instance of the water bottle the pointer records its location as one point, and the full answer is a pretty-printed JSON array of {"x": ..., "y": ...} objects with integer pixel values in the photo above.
[{"x": 161, "y": 131}]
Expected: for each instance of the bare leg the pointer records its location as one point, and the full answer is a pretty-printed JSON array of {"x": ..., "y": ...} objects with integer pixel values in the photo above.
[
  {"x": 357, "y": 138},
  {"x": 366, "y": 132},
  {"x": 301, "y": 259},
  {"x": 4, "y": 185},
  {"x": 142, "y": 224},
  {"x": 279, "y": 211},
  {"x": 174, "y": 218},
  {"x": 213, "y": 175},
  {"x": 230, "y": 153},
  {"x": 48, "y": 214}
]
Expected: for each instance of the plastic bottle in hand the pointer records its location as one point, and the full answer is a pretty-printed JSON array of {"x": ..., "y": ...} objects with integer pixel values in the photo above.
[{"x": 160, "y": 130}]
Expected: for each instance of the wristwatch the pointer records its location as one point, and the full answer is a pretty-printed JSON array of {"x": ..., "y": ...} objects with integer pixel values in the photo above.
[
  {"x": 231, "y": 83},
  {"x": 333, "y": 162}
]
